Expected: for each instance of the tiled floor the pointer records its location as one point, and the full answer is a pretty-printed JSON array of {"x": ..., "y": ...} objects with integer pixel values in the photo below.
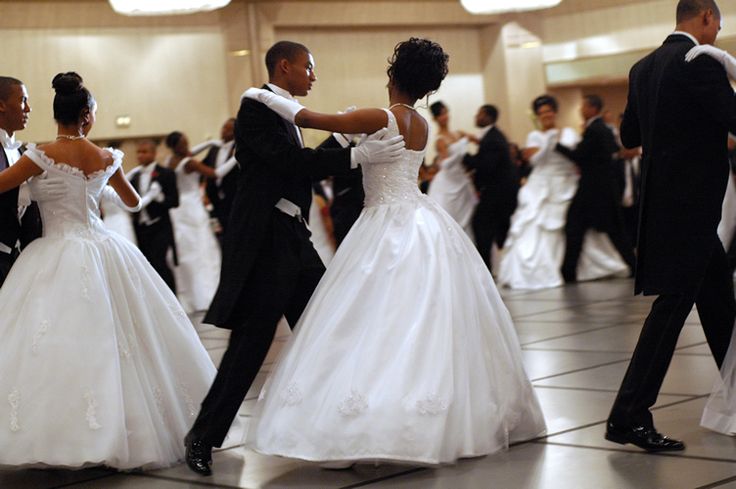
[{"x": 576, "y": 341}]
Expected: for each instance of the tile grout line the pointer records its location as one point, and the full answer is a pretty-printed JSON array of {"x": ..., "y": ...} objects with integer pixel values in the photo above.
[
  {"x": 84, "y": 481},
  {"x": 719, "y": 483},
  {"x": 642, "y": 452}
]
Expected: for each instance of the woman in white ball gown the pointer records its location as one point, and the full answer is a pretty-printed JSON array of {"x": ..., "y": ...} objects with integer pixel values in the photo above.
[
  {"x": 99, "y": 365},
  {"x": 535, "y": 246},
  {"x": 405, "y": 351},
  {"x": 452, "y": 187},
  {"x": 198, "y": 252}
]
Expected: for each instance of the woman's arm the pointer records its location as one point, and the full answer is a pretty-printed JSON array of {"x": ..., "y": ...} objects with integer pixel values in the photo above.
[
  {"x": 124, "y": 189},
  {"x": 21, "y": 171},
  {"x": 193, "y": 165},
  {"x": 365, "y": 121}
]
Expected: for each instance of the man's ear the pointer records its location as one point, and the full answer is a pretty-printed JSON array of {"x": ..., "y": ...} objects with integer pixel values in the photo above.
[
  {"x": 3, "y": 105},
  {"x": 284, "y": 66}
]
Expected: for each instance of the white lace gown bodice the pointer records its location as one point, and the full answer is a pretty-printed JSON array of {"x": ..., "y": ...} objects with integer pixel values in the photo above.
[
  {"x": 87, "y": 320},
  {"x": 405, "y": 351}
]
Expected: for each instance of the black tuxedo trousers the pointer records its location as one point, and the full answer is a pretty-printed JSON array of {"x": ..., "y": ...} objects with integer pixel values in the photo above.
[
  {"x": 283, "y": 279},
  {"x": 714, "y": 301}
]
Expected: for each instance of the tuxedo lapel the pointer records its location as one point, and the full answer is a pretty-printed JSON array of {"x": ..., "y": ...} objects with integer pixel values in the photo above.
[{"x": 3, "y": 159}]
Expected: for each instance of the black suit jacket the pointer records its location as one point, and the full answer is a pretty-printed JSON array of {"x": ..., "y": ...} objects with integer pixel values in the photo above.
[
  {"x": 495, "y": 174},
  {"x": 680, "y": 113},
  {"x": 159, "y": 210},
  {"x": 597, "y": 196},
  {"x": 11, "y": 229},
  {"x": 273, "y": 166},
  {"x": 221, "y": 196}
]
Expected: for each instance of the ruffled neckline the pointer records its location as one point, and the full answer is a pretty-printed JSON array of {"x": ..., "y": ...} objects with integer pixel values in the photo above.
[{"x": 117, "y": 158}]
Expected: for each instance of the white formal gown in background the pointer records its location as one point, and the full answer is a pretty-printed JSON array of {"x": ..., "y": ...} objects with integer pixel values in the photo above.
[
  {"x": 198, "y": 272},
  {"x": 535, "y": 246},
  {"x": 452, "y": 188},
  {"x": 405, "y": 351},
  {"x": 98, "y": 362},
  {"x": 118, "y": 220}
]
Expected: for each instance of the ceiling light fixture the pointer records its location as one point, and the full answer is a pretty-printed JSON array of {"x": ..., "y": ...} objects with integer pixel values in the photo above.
[
  {"x": 165, "y": 7},
  {"x": 506, "y": 6}
]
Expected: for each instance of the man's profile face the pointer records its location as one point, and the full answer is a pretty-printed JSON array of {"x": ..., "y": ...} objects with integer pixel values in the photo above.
[
  {"x": 16, "y": 109},
  {"x": 301, "y": 74}
]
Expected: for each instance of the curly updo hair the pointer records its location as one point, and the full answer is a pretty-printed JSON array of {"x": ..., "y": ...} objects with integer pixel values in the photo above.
[
  {"x": 543, "y": 100},
  {"x": 417, "y": 67},
  {"x": 71, "y": 99}
]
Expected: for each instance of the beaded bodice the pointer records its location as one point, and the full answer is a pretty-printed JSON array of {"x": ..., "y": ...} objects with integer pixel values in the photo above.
[{"x": 393, "y": 183}]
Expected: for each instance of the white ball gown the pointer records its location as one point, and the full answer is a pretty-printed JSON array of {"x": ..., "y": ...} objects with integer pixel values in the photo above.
[
  {"x": 405, "y": 351},
  {"x": 535, "y": 246},
  {"x": 98, "y": 363},
  {"x": 452, "y": 188},
  {"x": 198, "y": 252}
]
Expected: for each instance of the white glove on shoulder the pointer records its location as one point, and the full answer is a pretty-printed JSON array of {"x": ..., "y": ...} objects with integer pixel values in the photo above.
[
  {"x": 284, "y": 107},
  {"x": 728, "y": 61},
  {"x": 374, "y": 149}
]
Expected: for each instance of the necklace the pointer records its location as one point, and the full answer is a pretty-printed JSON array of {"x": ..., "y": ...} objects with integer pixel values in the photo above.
[
  {"x": 70, "y": 138},
  {"x": 403, "y": 105}
]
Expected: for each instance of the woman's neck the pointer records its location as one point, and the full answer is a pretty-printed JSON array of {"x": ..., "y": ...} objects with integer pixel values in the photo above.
[
  {"x": 403, "y": 99},
  {"x": 75, "y": 130}
]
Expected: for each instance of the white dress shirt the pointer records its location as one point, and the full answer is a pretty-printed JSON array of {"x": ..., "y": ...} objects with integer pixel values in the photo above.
[{"x": 145, "y": 183}]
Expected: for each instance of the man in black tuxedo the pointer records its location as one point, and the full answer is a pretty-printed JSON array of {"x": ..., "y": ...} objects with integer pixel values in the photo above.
[
  {"x": 20, "y": 221},
  {"x": 221, "y": 191},
  {"x": 680, "y": 113},
  {"x": 269, "y": 266},
  {"x": 347, "y": 203},
  {"x": 496, "y": 181},
  {"x": 596, "y": 203},
  {"x": 152, "y": 224}
]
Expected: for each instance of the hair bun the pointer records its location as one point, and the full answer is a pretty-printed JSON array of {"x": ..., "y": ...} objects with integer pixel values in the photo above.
[{"x": 67, "y": 83}]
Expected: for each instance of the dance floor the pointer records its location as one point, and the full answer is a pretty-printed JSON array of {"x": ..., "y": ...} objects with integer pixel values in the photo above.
[{"x": 577, "y": 341}]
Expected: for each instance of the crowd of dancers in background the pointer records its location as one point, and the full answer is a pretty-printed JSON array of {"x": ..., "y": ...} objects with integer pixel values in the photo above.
[{"x": 562, "y": 208}]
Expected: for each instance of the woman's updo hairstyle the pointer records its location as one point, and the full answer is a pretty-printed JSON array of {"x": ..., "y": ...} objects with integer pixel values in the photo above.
[
  {"x": 543, "y": 100},
  {"x": 417, "y": 67},
  {"x": 71, "y": 98},
  {"x": 173, "y": 139}
]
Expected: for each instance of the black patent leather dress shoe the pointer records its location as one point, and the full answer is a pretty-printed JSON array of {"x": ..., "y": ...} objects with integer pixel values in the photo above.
[
  {"x": 199, "y": 455},
  {"x": 647, "y": 438}
]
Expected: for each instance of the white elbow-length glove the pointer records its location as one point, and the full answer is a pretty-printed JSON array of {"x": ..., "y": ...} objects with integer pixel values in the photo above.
[
  {"x": 284, "y": 107},
  {"x": 728, "y": 61},
  {"x": 226, "y": 167}
]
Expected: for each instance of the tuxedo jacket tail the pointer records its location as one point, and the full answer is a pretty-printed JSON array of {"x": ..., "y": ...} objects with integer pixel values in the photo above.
[
  {"x": 11, "y": 229},
  {"x": 680, "y": 113},
  {"x": 273, "y": 166}
]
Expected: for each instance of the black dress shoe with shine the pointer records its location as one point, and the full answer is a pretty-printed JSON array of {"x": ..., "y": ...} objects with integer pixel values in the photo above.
[
  {"x": 199, "y": 455},
  {"x": 647, "y": 438}
]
